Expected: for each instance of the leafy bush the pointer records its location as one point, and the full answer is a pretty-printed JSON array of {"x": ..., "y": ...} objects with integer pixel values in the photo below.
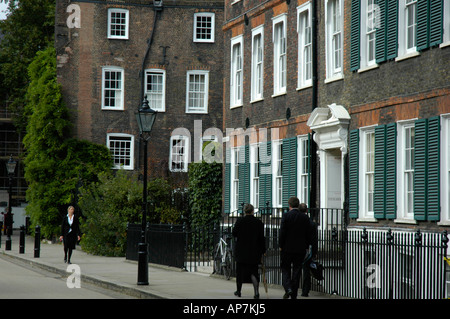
[
  {"x": 205, "y": 192},
  {"x": 107, "y": 208}
]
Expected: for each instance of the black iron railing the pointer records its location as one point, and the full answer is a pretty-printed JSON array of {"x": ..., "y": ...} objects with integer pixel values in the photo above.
[{"x": 358, "y": 262}]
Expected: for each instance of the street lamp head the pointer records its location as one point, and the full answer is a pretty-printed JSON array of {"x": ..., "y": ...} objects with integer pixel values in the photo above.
[
  {"x": 11, "y": 166},
  {"x": 145, "y": 117}
]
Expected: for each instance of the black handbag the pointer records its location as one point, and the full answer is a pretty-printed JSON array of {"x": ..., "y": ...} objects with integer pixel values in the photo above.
[{"x": 316, "y": 269}]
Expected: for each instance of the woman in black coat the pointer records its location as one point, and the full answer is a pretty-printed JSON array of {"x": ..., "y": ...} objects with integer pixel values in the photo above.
[
  {"x": 70, "y": 233},
  {"x": 250, "y": 246}
]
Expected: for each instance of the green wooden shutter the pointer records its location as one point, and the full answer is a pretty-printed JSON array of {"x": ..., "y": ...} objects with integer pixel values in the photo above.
[
  {"x": 391, "y": 29},
  {"x": 379, "y": 204},
  {"x": 244, "y": 175},
  {"x": 436, "y": 22},
  {"x": 289, "y": 168},
  {"x": 433, "y": 169},
  {"x": 380, "y": 40},
  {"x": 429, "y": 23},
  {"x": 420, "y": 172},
  {"x": 422, "y": 24},
  {"x": 265, "y": 177},
  {"x": 355, "y": 35},
  {"x": 391, "y": 171},
  {"x": 353, "y": 174},
  {"x": 227, "y": 181},
  {"x": 427, "y": 169}
]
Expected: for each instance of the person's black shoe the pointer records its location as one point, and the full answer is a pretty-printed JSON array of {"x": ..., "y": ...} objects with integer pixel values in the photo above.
[
  {"x": 237, "y": 293},
  {"x": 287, "y": 294},
  {"x": 304, "y": 294},
  {"x": 256, "y": 296}
]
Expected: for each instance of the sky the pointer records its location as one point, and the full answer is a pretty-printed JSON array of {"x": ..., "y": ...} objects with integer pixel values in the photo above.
[{"x": 3, "y": 7}]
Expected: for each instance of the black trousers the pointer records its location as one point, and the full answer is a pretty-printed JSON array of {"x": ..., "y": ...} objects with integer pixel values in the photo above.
[{"x": 291, "y": 270}]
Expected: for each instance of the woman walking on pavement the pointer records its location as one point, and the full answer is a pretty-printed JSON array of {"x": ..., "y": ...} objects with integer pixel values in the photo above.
[
  {"x": 70, "y": 233},
  {"x": 250, "y": 247}
]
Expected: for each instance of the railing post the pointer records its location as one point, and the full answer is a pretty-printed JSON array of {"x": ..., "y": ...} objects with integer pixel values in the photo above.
[
  {"x": 22, "y": 240},
  {"x": 37, "y": 242},
  {"x": 390, "y": 240}
]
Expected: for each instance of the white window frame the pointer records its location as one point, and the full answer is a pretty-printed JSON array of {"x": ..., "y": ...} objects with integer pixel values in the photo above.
[
  {"x": 203, "y": 140},
  {"x": 120, "y": 91},
  {"x": 255, "y": 162},
  {"x": 196, "y": 90},
  {"x": 237, "y": 72},
  {"x": 446, "y": 26},
  {"x": 369, "y": 11},
  {"x": 210, "y": 15},
  {"x": 277, "y": 174},
  {"x": 234, "y": 173},
  {"x": 445, "y": 169},
  {"x": 403, "y": 28},
  {"x": 403, "y": 216},
  {"x": 367, "y": 174},
  {"x": 162, "y": 93},
  {"x": 183, "y": 157},
  {"x": 129, "y": 154},
  {"x": 127, "y": 24},
  {"x": 334, "y": 34},
  {"x": 304, "y": 30},
  {"x": 257, "y": 82},
  {"x": 303, "y": 169},
  {"x": 279, "y": 26}
]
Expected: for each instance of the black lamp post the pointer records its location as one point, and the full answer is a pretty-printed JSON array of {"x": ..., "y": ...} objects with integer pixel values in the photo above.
[
  {"x": 145, "y": 118},
  {"x": 10, "y": 167}
]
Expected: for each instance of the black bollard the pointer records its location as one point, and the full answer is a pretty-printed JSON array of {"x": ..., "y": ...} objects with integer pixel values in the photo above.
[
  {"x": 22, "y": 240},
  {"x": 8, "y": 238},
  {"x": 37, "y": 242}
]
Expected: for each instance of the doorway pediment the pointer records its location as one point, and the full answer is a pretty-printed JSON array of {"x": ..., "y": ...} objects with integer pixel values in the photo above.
[{"x": 330, "y": 126}]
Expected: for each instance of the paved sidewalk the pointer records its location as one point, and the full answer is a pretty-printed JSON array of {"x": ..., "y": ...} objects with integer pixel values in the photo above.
[{"x": 119, "y": 274}]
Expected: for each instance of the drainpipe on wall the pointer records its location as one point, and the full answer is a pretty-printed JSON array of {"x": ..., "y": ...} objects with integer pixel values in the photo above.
[
  {"x": 157, "y": 7},
  {"x": 314, "y": 102}
]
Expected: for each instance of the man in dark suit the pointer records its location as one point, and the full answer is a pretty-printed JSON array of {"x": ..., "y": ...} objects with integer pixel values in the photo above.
[
  {"x": 250, "y": 246},
  {"x": 295, "y": 238}
]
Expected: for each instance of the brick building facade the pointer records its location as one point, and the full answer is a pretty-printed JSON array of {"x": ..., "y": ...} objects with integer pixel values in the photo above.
[
  {"x": 111, "y": 54},
  {"x": 359, "y": 102}
]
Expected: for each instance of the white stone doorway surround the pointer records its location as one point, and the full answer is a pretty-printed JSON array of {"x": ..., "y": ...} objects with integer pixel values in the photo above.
[{"x": 330, "y": 133}]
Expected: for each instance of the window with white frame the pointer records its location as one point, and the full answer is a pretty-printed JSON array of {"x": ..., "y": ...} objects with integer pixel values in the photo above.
[
  {"x": 407, "y": 26},
  {"x": 254, "y": 175},
  {"x": 446, "y": 21},
  {"x": 118, "y": 23},
  {"x": 179, "y": 151},
  {"x": 303, "y": 169},
  {"x": 369, "y": 12},
  {"x": 367, "y": 177},
  {"x": 278, "y": 173},
  {"x": 257, "y": 63},
  {"x": 279, "y": 54},
  {"x": 445, "y": 168},
  {"x": 208, "y": 153},
  {"x": 234, "y": 202},
  {"x": 237, "y": 76},
  {"x": 121, "y": 147},
  {"x": 406, "y": 137},
  {"x": 155, "y": 84},
  {"x": 334, "y": 38},
  {"x": 204, "y": 26},
  {"x": 304, "y": 30},
  {"x": 112, "y": 88},
  {"x": 197, "y": 91}
]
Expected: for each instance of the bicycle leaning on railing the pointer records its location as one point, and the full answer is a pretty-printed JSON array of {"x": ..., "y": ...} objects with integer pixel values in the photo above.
[{"x": 223, "y": 258}]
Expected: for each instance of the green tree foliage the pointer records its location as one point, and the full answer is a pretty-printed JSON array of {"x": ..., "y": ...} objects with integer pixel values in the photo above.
[
  {"x": 55, "y": 164},
  {"x": 28, "y": 29},
  {"x": 205, "y": 192}
]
